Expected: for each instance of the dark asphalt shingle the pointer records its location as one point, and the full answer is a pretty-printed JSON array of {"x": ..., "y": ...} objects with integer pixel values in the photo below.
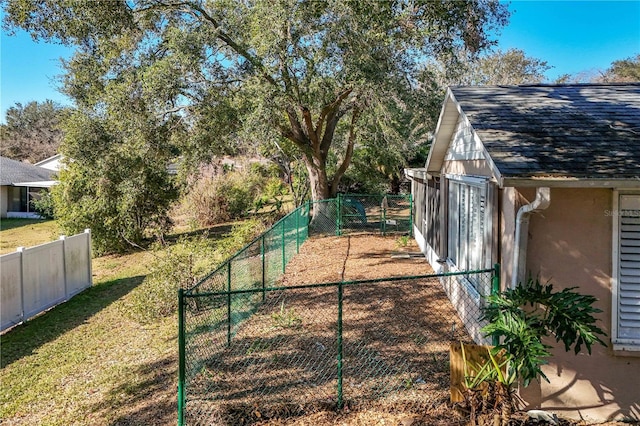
[
  {"x": 12, "y": 171},
  {"x": 581, "y": 131}
]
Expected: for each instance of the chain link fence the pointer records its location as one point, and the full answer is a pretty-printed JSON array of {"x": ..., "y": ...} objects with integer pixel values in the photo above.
[
  {"x": 351, "y": 213},
  {"x": 251, "y": 349}
]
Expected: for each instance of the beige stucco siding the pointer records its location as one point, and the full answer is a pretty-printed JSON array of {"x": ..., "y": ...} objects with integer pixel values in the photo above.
[
  {"x": 4, "y": 200},
  {"x": 570, "y": 245}
]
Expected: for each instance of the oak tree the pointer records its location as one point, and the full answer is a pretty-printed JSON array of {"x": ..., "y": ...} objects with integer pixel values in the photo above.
[{"x": 321, "y": 74}]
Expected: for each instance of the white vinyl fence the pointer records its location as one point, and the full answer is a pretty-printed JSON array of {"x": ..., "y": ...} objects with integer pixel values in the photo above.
[{"x": 37, "y": 278}]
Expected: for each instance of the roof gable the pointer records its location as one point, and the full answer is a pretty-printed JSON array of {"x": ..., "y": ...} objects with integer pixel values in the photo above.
[{"x": 545, "y": 131}]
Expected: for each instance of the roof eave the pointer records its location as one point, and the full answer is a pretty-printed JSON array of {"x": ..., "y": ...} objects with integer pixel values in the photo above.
[
  {"x": 570, "y": 182},
  {"x": 447, "y": 121},
  {"x": 37, "y": 184},
  {"x": 416, "y": 173}
]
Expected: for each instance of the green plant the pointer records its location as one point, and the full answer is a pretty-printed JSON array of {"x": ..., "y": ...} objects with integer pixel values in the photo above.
[
  {"x": 271, "y": 195},
  {"x": 521, "y": 318},
  {"x": 223, "y": 197},
  {"x": 44, "y": 205},
  {"x": 403, "y": 241},
  {"x": 182, "y": 265},
  {"x": 286, "y": 318},
  {"x": 117, "y": 183},
  {"x": 488, "y": 384}
]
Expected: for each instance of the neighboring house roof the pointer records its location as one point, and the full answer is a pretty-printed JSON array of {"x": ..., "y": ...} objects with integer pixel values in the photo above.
[
  {"x": 582, "y": 131},
  {"x": 16, "y": 173}
]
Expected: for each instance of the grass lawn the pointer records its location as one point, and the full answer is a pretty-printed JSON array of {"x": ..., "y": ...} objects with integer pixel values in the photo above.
[
  {"x": 16, "y": 233},
  {"x": 86, "y": 362}
]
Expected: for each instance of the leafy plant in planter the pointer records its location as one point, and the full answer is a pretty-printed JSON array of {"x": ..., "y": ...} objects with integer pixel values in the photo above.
[
  {"x": 520, "y": 319},
  {"x": 488, "y": 384}
]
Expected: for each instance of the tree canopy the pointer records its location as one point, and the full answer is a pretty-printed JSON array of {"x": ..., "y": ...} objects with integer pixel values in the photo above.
[
  {"x": 32, "y": 131},
  {"x": 324, "y": 75},
  {"x": 624, "y": 70}
]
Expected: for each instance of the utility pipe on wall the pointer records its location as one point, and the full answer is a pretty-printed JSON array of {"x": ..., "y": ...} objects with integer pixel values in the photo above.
[{"x": 541, "y": 202}]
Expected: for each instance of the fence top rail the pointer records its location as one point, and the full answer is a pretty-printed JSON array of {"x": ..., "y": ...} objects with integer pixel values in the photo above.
[
  {"x": 225, "y": 263},
  {"x": 301, "y": 208},
  {"x": 336, "y": 283},
  {"x": 392, "y": 196}
]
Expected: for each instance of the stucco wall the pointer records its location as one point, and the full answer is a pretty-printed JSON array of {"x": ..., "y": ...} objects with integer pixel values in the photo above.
[
  {"x": 4, "y": 201},
  {"x": 570, "y": 244}
]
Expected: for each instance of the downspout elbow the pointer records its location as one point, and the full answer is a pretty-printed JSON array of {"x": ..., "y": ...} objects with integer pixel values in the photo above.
[{"x": 541, "y": 202}]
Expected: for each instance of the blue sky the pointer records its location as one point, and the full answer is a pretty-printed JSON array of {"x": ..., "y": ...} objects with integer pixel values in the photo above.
[{"x": 572, "y": 36}]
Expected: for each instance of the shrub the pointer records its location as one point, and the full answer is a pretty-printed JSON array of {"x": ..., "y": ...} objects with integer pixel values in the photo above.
[
  {"x": 223, "y": 197},
  {"x": 182, "y": 265},
  {"x": 271, "y": 195},
  {"x": 520, "y": 319},
  {"x": 44, "y": 205}
]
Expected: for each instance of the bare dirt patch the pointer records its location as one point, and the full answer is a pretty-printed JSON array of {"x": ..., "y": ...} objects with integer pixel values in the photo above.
[{"x": 280, "y": 365}]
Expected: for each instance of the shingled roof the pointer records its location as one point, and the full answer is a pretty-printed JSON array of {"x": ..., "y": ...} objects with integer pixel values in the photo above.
[
  {"x": 14, "y": 172},
  {"x": 579, "y": 131}
]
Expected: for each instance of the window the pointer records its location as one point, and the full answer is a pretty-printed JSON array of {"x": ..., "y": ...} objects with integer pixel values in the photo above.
[
  {"x": 21, "y": 198},
  {"x": 469, "y": 227},
  {"x": 627, "y": 272},
  {"x": 17, "y": 199}
]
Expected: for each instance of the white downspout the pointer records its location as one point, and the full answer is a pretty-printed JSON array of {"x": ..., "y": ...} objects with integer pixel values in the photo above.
[{"x": 541, "y": 202}]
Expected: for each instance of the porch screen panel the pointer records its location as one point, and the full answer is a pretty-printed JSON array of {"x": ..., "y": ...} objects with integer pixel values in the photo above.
[
  {"x": 455, "y": 217},
  {"x": 432, "y": 219},
  {"x": 419, "y": 189},
  {"x": 629, "y": 268}
]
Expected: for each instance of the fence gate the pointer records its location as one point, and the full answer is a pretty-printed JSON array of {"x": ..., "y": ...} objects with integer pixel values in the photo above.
[{"x": 351, "y": 213}]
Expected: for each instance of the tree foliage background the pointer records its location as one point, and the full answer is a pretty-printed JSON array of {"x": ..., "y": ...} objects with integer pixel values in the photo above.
[
  {"x": 32, "y": 131},
  {"x": 337, "y": 82}
]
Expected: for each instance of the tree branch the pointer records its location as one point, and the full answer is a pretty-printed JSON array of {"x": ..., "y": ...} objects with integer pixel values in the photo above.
[
  {"x": 348, "y": 154},
  {"x": 329, "y": 108},
  {"x": 226, "y": 38},
  {"x": 306, "y": 115},
  {"x": 296, "y": 127}
]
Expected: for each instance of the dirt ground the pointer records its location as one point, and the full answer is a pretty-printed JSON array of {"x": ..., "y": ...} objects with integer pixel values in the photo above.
[
  {"x": 281, "y": 362},
  {"x": 278, "y": 370}
]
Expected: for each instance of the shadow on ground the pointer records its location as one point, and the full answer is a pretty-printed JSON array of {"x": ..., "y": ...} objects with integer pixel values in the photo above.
[
  {"x": 23, "y": 340},
  {"x": 150, "y": 395}
]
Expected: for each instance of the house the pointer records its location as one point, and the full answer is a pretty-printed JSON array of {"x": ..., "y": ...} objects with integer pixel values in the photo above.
[
  {"x": 52, "y": 163},
  {"x": 20, "y": 183},
  {"x": 545, "y": 180}
]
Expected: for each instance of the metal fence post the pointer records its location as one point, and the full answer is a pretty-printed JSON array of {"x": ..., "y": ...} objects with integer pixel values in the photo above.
[
  {"x": 262, "y": 255},
  {"x": 339, "y": 398},
  {"x": 229, "y": 303},
  {"x": 308, "y": 219},
  {"x": 338, "y": 215},
  {"x": 495, "y": 289},
  {"x": 384, "y": 221},
  {"x": 298, "y": 230},
  {"x": 284, "y": 254},
  {"x": 181, "y": 357}
]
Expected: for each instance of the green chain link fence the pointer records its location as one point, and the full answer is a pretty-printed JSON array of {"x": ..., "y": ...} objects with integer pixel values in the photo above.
[
  {"x": 351, "y": 213},
  {"x": 250, "y": 349}
]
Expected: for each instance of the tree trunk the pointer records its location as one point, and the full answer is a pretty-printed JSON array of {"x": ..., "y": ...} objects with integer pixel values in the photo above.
[
  {"x": 318, "y": 179},
  {"x": 323, "y": 219}
]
